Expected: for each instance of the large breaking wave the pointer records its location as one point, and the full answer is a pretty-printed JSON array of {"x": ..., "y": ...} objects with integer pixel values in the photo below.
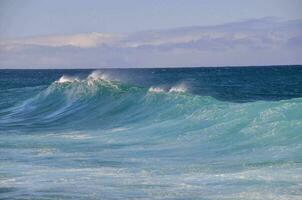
[
  {"x": 96, "y": 99},
  {"x": 172, "y": 130}
]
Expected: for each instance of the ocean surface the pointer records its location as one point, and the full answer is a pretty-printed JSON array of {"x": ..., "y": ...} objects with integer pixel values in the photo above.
[{"x": 195, "y": 133}]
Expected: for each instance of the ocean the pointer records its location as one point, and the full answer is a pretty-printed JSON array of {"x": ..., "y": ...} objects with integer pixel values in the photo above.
[{"x": 182, "y": 133}]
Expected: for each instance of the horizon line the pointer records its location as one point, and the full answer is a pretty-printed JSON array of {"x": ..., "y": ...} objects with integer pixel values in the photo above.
[{"x": 224, "y": 66}]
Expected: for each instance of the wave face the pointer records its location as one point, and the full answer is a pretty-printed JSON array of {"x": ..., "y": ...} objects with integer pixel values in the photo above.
[{"x": 99, "y": 135}]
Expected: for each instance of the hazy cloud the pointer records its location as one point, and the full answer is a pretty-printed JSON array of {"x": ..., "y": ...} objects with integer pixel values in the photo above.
[{"x": 252, "y": 42}]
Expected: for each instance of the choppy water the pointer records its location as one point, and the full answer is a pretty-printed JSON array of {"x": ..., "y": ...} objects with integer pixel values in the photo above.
[{"x": 204, "y": 133}]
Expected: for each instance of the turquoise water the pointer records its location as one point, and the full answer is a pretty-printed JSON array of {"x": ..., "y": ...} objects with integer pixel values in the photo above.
[{"x": 151, "y": 134}]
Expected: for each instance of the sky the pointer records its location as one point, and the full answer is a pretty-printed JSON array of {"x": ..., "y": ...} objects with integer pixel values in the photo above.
[{"x": 149, "y": 33}]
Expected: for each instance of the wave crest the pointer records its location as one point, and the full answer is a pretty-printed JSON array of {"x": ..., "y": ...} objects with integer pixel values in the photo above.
[
  {"x": 96, "y": 75},
  {"x": 156, "y": 89},
  {"x": 67, "y": 79},
  {"x": 179, "y": 88}
]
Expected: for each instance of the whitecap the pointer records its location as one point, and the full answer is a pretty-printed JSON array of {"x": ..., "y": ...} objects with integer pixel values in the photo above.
[
  {"x": 46, "y": 151},
  {"x": 118, "y": 129},
  {"x": 179, "y": 88},
  {"x": 76, "y": 136},
  {"x": 97, "y": 75},
  {"x": 156, "y": 89},
  {"x": 67, "y": 79}
]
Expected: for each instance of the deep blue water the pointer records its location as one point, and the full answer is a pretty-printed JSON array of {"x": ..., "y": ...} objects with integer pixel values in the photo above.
[{"x": 194, "y": 133}]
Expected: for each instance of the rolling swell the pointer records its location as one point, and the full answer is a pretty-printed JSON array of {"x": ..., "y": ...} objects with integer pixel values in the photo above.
[
  {"x": 178, "y": 144},
  {"x": 99, "y": 103}
]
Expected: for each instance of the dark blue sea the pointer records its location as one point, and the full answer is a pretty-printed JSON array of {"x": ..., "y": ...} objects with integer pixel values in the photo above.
[{"x": 185, "y": 133}]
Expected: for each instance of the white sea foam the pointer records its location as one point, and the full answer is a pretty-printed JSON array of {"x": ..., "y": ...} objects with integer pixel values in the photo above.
[
  {"x": 118, "y": 129},
  {"x": 100, "y": 76},
  {"x": 67, "y": 79},
  {"x": 156, "y": 89},
  {"x": 46, "y": 151},
  {"x": 178, "y": 88},
  {"x": 96, "y": 75},
  {"x": 76, "y": 136}
]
